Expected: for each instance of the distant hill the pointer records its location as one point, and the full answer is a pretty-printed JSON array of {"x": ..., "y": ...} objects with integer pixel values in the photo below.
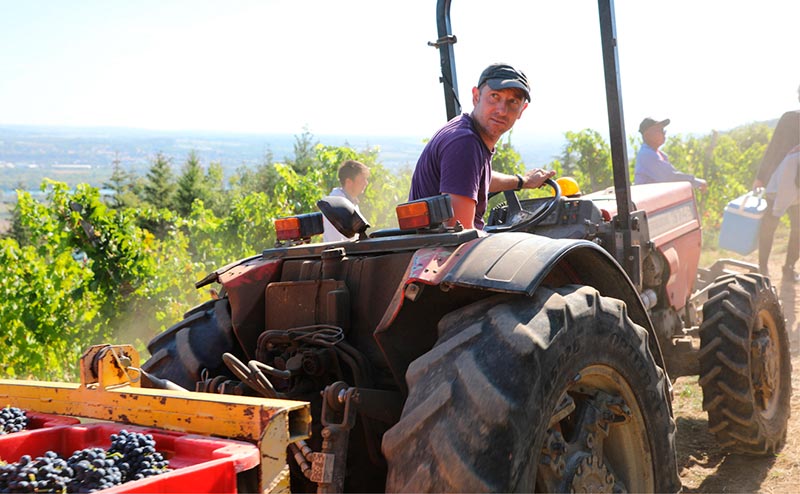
[{"x": 29, "y": 153}]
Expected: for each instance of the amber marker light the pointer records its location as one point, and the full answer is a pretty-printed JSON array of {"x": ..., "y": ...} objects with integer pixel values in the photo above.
[
  {"x": 413, "y": 215},
  {"x": 298, "y": 227},
  {"x": 287, "y": 228},
  {"x": 424, "y": 213}
]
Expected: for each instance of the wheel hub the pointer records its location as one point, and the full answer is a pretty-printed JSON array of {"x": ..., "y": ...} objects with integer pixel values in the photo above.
[
  {"x": 765, "y": 368},
  {"x": 592, "y": 475},
  {"x": 578, "y": 464}
]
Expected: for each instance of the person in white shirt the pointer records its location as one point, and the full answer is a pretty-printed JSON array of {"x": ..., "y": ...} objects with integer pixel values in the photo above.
[
  {"x": 781, "y": 191},
  {"x": 353, "y": 178},
  {"x": 783, "y": 197}
]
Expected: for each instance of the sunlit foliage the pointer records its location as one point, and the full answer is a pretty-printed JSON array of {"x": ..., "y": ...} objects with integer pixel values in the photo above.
[{"x": 78, "y": 270}]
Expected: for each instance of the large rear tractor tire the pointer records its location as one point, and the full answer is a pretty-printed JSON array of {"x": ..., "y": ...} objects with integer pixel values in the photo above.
[
  {"x": 554, "y": 393},
  {"x": 180, "y": 353},
  {"x": 745, "y": 367}
]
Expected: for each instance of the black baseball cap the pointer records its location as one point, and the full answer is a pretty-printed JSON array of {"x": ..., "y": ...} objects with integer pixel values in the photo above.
[
  {"x": 649, "y": 122},
  {"x": 504, "y": 76}
]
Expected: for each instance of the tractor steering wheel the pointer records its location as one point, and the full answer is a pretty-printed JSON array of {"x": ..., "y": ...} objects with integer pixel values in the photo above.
[{"x": 520, "y": 219}]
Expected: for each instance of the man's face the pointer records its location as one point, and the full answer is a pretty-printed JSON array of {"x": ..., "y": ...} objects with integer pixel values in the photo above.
[
  {"x": 496, "y": 110},
  {"x": 655, "y": 136},
  {"x": 356, "y": 186}
]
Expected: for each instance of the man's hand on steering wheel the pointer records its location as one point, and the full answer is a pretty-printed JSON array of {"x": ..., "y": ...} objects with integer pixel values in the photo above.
[
  {"x": 518, "y": 218},
  {"x": 534, "y": 178}
]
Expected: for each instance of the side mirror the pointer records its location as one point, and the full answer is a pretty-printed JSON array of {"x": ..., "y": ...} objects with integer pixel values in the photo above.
[{"x": 343, "y": 215}]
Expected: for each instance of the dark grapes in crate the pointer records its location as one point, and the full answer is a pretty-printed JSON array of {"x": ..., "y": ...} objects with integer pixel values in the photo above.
[
  {"x": 132, "y": 456},
  {"x": 12, "y": 419}
]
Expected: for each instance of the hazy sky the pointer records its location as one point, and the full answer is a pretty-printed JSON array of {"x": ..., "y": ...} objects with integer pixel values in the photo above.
[{"x": 363, "y": 67}]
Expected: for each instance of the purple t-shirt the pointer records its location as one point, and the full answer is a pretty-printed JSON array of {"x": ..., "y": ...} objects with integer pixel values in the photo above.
[{"x": 455, "y": 161}]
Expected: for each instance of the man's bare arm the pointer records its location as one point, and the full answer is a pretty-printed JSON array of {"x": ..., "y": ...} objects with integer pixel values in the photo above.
[
  {"x": 532, "y": 179},
  {"x": 464, "y": 210}
]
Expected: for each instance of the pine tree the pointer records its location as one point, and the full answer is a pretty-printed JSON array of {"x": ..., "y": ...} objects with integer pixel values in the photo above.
[
  {"x": 191, "y": 185},
  {"x": 121, "y": 183},
  {"x": 262, "y": 178},
  {"x": 216, "y": 193},
  {"x": 304, "y": 152},
  {"x": 159, "y": 187}
]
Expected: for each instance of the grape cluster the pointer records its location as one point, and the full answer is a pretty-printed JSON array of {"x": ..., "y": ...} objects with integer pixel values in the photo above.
[
  {"x": 43, "y": 474},
  {"x": 137, "y": 455},
  {"x": 92, "y": 469},
  {"x": 132, "y": 456},
  {"x": 12, "y": 419}
]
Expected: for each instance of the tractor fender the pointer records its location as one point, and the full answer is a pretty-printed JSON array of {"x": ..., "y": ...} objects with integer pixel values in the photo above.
[
  {"x": 214, "y": 276},
  {"x": 519, "y": 262},
  {"x": 245, "y": 282}
]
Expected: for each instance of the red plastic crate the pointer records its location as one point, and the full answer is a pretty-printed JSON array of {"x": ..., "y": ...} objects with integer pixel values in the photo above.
[
  {"x": 200, "y": 464},
  {"x": 44, "y": 420}
]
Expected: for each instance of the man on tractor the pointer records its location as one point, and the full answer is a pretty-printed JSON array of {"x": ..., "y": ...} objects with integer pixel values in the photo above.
[{"x": 458, "y": 159}]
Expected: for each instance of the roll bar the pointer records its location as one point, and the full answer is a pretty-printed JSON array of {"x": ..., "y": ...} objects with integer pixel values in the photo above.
[{"x": 625, "y": 253}]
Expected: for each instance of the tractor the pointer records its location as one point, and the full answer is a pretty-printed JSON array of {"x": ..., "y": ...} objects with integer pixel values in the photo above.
[{"x": 538, "y": 357}]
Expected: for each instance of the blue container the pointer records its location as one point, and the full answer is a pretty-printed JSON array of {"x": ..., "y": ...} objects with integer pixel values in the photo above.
[{"x": 741, "y": 223}]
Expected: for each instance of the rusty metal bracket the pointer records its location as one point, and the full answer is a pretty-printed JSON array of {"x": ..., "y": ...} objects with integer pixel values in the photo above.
[
  {"x": 328, "y": 467},
  {"x": 108, "y": 365}
]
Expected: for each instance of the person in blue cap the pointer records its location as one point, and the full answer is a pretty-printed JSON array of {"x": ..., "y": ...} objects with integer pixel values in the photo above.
[{"x": 652, "y": 164}]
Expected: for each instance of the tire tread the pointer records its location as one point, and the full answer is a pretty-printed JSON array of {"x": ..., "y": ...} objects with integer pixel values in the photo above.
[{"x": 730, "y": 315}]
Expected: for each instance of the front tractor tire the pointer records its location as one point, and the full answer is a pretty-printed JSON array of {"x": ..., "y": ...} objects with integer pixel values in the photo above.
[
  {"x": 554, "y": 393},
  {"x": 745, "y": 367}
]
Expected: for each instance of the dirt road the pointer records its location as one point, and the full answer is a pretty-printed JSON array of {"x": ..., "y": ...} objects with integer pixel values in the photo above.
[{"x": 703, "y": 466}]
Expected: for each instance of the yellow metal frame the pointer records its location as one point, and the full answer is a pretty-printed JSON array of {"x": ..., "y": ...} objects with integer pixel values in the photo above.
[{"x": 109, "y": 390}]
